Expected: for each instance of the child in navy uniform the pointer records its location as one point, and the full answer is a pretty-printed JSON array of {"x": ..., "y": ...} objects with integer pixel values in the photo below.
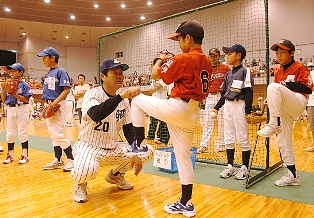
[
  {"x": 56, "y": 89},
  {"x": 237, "y": 96},
  {"x": 17, "y": 113}
]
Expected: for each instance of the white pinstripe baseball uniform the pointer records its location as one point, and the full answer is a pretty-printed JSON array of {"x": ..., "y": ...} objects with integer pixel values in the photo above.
[{"x": 98, "y": 141}]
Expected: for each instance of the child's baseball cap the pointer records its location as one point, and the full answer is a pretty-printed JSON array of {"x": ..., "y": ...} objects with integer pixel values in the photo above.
[
  {"x": 112, "y": 63},
  {"x": 49, "y": 51},
  {"x": 214, "y": 51},
  {"x": 191, "y": 27},
  {"x": 284, "y": 44},
  {"x": 237, "y": 48},
  {"x": 16, "y": 66}
]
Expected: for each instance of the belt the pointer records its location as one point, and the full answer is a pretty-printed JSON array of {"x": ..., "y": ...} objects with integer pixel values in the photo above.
[
  {"x": 214, "y": 93},
  {"x": 185, "y": 99},
  {"x": 15, "y": 105},
  {"x": 49, "y": 101},
  {"x": 108, "y": 149},
  {"x": 234, "y": 99}
]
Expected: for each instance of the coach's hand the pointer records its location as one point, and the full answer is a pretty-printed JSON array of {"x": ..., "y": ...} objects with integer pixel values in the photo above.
[
  {"x": 130, "y": 92},
  {"x": 137, "y": 164}
]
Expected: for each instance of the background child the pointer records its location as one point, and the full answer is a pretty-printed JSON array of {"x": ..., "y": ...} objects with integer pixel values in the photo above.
[
  {"x": 286, "y": 99},
  {"x": 237, "y": 97},
  {"x": 56, "y": 88},
  {"x": 17, "y": 113}
]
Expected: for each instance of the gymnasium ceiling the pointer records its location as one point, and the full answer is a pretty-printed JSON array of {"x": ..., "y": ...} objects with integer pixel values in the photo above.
[{"x": 51, "y": 21}]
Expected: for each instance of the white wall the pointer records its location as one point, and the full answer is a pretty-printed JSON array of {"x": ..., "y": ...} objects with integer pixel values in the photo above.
[
  {"x": 293, "y": 20},
  {"x": 75, "y": 60},
  {"x": 82, "y": 60},
  {"x": 9, "y": 46}
]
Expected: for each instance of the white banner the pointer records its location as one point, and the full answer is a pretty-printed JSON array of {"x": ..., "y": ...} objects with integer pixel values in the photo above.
[{"x": 162, "y": 159}]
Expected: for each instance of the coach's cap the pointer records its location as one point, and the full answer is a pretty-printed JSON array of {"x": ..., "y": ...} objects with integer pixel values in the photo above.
[
  {"x": 214, "y": 51},
  {"x": 191, "y": 27},
  {"x": 112, "y": 63},
  {"x": 237, "y": 48},
  {"x": 16, "y": 66},
  {"x": 284, "y": 44},
  {"x": 49, "y": 51}
]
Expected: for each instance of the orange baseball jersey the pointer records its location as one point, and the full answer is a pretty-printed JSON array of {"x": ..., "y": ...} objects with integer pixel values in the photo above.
[
  {"x": 190, "y": 72},
  {"x": 297, "y": 72},
  {"x": 217, "y": 77}
]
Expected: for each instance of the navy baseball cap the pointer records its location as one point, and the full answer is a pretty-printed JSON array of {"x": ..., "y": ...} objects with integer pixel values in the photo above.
[
  {"x": 191, "y": 27},
  {"x": 284, "y": 44},
  {"x": 16, "y": 66},
  {"x": 237, "y": 48},
  {"x": 49, "y": 51},
  {"x": 112, "y": 63}
]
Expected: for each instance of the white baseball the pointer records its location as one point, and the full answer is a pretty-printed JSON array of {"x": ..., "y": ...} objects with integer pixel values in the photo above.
[{"x": 213, "y": 115}]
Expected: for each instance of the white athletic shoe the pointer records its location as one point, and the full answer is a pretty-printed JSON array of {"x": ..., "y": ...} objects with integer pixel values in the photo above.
[
  {"x": 55, "y": 164},
  {"x": 202, "y": 149},
  {"x": 23, "y": 159},
  {"x": 119, "y": 180},
  {"x": 80, "y": 192},
  {"x": 269, "y": 130},
  {"x": 242, "y": 173},
  {"x": 134, "y": 148},
  {"x": 309, "y": 149},
  {"x": 288, "y": 180},
  {"x": 228, "y": 171},
  {"x": 9, "y": 159},
  {"x": 69, "y": 166},
  {"x": 177, "y": 207}
]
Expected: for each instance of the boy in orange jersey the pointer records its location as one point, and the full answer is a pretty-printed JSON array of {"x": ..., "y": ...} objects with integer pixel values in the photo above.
[
  {"x": 190, "y": 72},
  {"x": 287, "y": 99},
  {"x": 217, "y": 78}
]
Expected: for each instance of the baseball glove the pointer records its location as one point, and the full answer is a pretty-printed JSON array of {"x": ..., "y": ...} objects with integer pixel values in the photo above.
[
  {"x": 50, "y": 110},
  {"x": 11, "y": 86},
  {"x": 163, "y": 55},
  {"x": 255, "y": 119}
]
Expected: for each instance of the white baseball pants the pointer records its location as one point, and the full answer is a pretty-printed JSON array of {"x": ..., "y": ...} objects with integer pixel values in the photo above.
[
  {"x": 208, "y": 127},
  {"x": 87, "y": 160},
  {"x": 70, "y": 107},
  {"x": 288, "y": 105},
  {"x": 181, "y": 119},
  {"x": 56, "y": 125},
  {"x": 17, "y": 120},
  {"x": 236, "y": 127}
]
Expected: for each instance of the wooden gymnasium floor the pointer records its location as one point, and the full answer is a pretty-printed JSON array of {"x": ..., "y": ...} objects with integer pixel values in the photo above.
[{"x": 29, "y": 191}]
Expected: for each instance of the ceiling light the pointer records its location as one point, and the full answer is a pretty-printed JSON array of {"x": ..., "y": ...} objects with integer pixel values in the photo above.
[
  {"x": 122, "y": 5},
  {"x": 7, "y": 9},
  {"x": 67, "y": 37},
  {"x": 23, "y": 33},
  {"x": 149, "y": 3},
  {"x": 108, "y": 19},
  {"x": 47, "y": 1},
  {"x": 142, "y": 18},
  {"x": 72, "y": 17},
  {"x": 96, "y": 6}
]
